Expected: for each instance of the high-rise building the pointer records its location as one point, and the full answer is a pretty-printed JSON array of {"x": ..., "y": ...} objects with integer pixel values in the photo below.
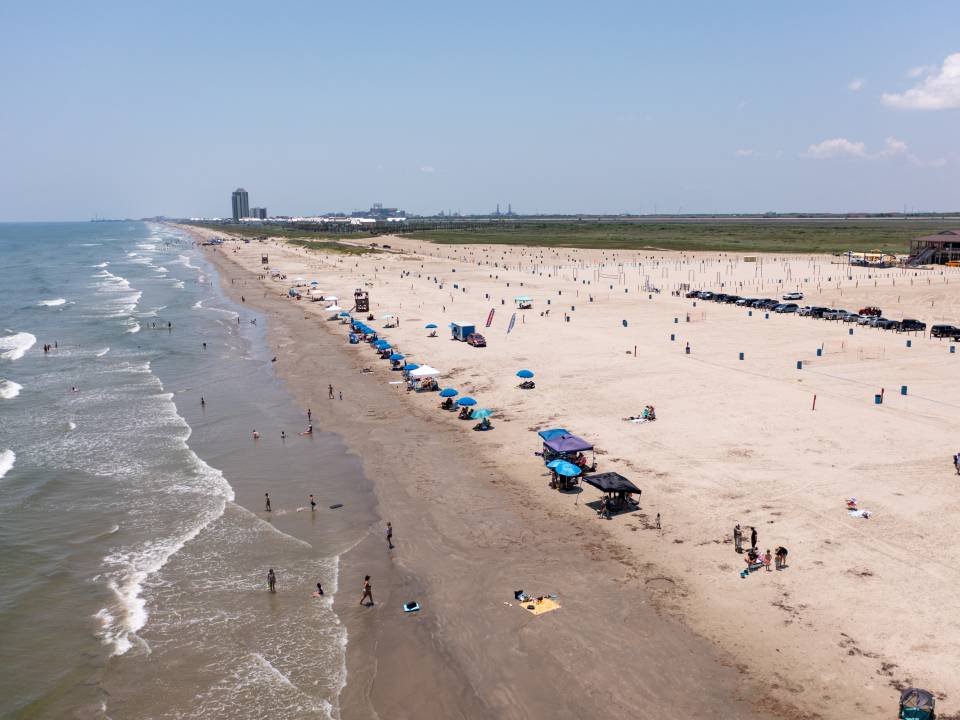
[
  {"x": 241, "y": 204},
  {"x": 259, "y": 213}
]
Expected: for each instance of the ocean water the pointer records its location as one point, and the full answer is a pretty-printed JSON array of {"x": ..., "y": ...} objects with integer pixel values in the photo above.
[{"x": 133, "y": 544}]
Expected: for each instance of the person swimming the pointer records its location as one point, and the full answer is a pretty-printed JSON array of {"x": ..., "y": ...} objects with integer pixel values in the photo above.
[{"x": 256, "y": 435}]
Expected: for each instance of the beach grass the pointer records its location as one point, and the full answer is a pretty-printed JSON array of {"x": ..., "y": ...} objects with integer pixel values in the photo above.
[
  {"x": 294, "y": 236},
  {"x": 813, "y": 237}
]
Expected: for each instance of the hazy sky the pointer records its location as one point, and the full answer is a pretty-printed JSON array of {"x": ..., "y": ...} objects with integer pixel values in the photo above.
[{"x": 131, "y": 109}]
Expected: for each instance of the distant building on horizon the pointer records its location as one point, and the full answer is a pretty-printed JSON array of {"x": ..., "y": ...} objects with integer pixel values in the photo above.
[
  {"x": 258, "y": 213},
  {"x": 241, "y": 204}
]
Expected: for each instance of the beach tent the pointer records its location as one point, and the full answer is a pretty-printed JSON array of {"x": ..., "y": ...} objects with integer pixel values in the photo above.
[
  {"x": 916, "y": 704},
  {"x": 611, "y": 482},
  {"x": 553, "y": 432},
  {"x": 567, "y": 444},
  {"x": 424, "y": 371}
]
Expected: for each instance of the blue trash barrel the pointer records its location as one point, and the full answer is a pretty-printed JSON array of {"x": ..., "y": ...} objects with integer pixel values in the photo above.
[
  {"x": 878, "y": 399},
  {"x": 819, "y": 352},
  {"x": 799, "y": 364},
  {"x": 672, "y": 337},
  {"x": 909, "y": 343},
  {"x": 766, "y": 316},
  {"x": 903, "y": 389},
  {"x": 741, "y": 356},
  {"x": 850, "y": 331},
  {"x": 953, "y": 348}
]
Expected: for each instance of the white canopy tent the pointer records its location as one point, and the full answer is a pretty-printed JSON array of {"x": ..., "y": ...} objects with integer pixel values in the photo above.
[{"x": 424, "y": 371}]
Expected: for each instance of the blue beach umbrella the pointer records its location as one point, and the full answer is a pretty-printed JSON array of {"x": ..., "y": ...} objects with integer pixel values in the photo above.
[
  {"x": 567, "y": 469},
  {"x": 396, "y": 356},
  {"x": 431, "y": 326},
  {"x": 344, "y": 314},
  {"x": 480, "y": 414},
  {"x": 526, "y": 374},
  {"x": 410, "y": 366},
  {"x": 449, "y": 392},
  {"x": 466, "y": 402}
]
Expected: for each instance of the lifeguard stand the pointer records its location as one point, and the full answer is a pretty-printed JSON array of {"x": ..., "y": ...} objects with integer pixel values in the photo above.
[{"x": 361, "y": 300}]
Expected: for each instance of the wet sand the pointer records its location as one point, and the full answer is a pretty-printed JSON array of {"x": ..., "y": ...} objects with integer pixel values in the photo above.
[{"x": 467, "y": 535}]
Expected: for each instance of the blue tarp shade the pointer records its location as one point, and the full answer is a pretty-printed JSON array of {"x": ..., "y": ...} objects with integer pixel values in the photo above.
[
  {"x": 567, "y": 444},
  {"x": 552, "y": 433}
]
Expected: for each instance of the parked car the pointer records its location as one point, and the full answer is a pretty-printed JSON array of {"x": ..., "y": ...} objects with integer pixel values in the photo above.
[
  {"x": 941, "y": 331},
  {"x": 911, "y": 325},
  {"x": 693, "y": 294},
  {"x": 732, "y": 299},
  {"x": 885, "y": 324},
  {"x": 805, "y": 311},
  {"x": 787, "y": 308},
  {"x": 834, "y": 314},
  {"x": 851, "y": 317},
  {"x": 769, "y": 304},
  {"x": 817, "y": 312},
  {"x": 476, "y": 339},
  {"x": 706, "y": 295},
  {"x": 744, "y": 302},
  {"x": 793, "y": 296},
  {"x": 864, "y": 320},
  {"x": 872, "y": 311}
]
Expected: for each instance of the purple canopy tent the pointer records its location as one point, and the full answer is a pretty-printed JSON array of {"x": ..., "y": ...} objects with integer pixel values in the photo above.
[{"x": 566, "y": 446}]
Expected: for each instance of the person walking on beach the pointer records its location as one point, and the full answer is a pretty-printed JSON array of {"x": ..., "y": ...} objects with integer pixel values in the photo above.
[
  {"x": 737, "y": 538},
  {"x": 266, "y": 506},
  {"x": 313, "y": 504},
  {"x": 330, "y": 391},
  {"x": 203, "y": 403},
  {"x": 367, "y": 591},
  {"x": 389, "y": 536},
  {"x": 753, "y": 537},
  {"x": 956, "y": 463},
  {"x": 658, "y": 521},
  {"x": 272, "y": 580},
  {"x": 781, "y": 557},
  {"x": 341, "y": 397},
  {"x": 309, "y": 415}
]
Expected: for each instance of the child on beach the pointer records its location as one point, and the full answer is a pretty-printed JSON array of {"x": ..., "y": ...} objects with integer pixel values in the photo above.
[{"x": 767, "y": 559}]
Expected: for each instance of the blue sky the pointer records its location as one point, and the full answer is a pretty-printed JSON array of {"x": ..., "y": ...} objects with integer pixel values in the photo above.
[{"x": 121, "y": 110}]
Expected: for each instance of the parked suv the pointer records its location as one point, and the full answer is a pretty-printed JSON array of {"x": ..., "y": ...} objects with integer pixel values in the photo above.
[
  {"x": 793, "y": 296},
  {"x": 940, "y": 331},
  {"x": 834, "y": 314},
  {"x": 910, "y": 325},
  {"x": 786, "y": 308}
]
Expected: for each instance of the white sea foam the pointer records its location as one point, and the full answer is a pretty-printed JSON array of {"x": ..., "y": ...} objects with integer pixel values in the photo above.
[
  {"x": 150, "y": 247},
  {"x": 185, "y": 261},
  {"x": 90, "y": 244},
  {"x": 9, "y": 389},
  {"x": 134, "y": 328},
  {"x": 7, "y": 458},
  {"x": 178, "y": 284},
  {"x": 130, "y": 566},
  {"x": 198, "y": 304},
  {"x": 71, "y": 425},
  {"x": 15, "y": 346},
  {"x": 101, "y": 265},
  {"x": 53, "y": 303},
  {"x": 101, "y": 353}
]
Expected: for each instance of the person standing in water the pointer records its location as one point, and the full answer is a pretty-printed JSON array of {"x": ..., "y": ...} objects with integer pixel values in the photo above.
[
  {"x": 309, "y": 415},
  {"x": 266, "y": 506},
  {"x": 272, "y": 580},
  {"x": 367, "y": 591},
  {"x": 389, "y": 536},
  {"x": 313, "y": 504}
]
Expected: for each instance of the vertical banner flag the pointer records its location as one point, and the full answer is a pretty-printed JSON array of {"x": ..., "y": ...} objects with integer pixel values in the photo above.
[
  {"x": 490, "y": 317},
  {"x": 513, "y": 319}
]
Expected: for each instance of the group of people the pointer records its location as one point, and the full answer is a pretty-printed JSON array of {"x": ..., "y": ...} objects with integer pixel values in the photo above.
[
  {"x": 648, "y": 415},
  {"x": 753, "y": 558}
]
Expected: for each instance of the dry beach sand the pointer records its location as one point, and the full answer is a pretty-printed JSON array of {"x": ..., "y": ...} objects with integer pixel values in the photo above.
[{"x": 865, "y": 606}]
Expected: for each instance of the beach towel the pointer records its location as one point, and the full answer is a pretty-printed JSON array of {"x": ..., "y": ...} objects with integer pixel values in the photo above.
[
  {"x": 865, "y": 514},
  {"x": 539, "y": 608}
]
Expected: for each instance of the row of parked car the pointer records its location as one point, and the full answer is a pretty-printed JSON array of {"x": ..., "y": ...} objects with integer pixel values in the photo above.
[{"x": 869, "y": 316}]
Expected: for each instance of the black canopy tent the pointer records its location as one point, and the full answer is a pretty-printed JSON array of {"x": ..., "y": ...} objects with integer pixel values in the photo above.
[{"x": 611, "y": 482}]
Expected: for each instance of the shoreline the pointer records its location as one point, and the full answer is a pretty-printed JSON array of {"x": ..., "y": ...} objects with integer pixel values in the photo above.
[{"x": 468, "y": 652}]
